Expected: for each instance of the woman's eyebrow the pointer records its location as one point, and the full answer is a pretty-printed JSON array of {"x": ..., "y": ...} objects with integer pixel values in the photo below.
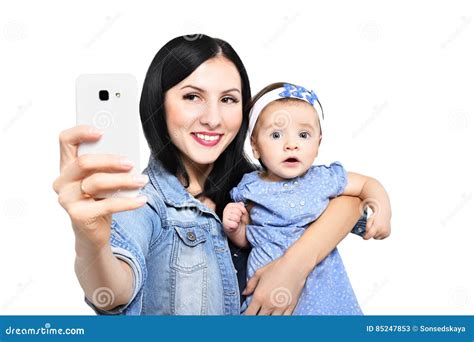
[
  {"x": 194, "y": 87},
  {"x": 203, "y": 91},
  {"x": 232, "y": 89}
]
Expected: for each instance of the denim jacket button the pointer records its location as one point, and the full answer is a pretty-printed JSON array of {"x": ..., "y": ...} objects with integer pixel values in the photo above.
[{"x": 191, "y": 236}]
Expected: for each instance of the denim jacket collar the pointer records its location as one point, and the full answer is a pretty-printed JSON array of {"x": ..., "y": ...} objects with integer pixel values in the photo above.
[
  {"x": 168, "y": 184},
  {"x": 173, "y": 191}
]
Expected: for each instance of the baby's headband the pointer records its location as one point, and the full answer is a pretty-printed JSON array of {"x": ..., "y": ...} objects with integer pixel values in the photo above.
[{"x": 287, "y": 91}]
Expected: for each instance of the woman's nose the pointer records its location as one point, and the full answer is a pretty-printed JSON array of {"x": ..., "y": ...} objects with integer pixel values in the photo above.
[{"x": 211, "y": 116}]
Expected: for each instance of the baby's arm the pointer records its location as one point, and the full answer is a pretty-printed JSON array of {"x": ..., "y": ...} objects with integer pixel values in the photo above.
[
  {"x": 235, "y": 220},
  {"x": 373, "y": 194}
]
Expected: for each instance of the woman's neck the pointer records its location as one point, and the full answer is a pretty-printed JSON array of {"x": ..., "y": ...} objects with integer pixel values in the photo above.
[{"x": 197, "y": 175}]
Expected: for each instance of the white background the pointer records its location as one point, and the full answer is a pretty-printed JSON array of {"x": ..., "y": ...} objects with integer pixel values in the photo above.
[{"x": 395, "y": 80}]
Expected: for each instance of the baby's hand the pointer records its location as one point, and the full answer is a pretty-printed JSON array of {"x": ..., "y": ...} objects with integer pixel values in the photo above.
[
  {"x": 235, "y": 218},
  {"x": 378, "y": 224}
]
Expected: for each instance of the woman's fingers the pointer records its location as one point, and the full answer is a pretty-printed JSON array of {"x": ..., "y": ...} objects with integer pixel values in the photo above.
[
  {"x": 278, "y": 312},
  {"x": 251, "y": 285},
  {"x": 116, "y": 204},
  {"x": 69, "y": 140},
  {"x": 265, "y": 311},
  {"x": 253, "y": 308},
  {"x": 98, "y": 185},
  {"x": 84, "y": 165},
  {"x": 88, "y": 211},
  {"x": 102, "y": 183},
  {"x": 289, "y": 310},
  {"x": 70, "y": 193},
  {"x": 78, "y": 134}
]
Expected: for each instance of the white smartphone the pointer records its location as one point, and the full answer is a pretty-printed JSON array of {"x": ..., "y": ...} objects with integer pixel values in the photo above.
[{"x": 109, "y": 102}]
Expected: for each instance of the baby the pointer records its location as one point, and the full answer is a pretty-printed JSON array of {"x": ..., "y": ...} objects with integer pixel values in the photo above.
[{"x": 273, "y": 207}]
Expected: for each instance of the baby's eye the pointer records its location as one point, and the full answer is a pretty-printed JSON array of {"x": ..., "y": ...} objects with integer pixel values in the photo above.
[
  {"x": 276, "y": 135},
  {"x": 229, "y": 99},
  {"x": 191, "y": 97},
  {"x": 304, "y": 135}
]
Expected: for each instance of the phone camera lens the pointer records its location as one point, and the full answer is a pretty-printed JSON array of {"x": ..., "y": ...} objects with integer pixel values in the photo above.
[{"x": 104, "y": 95}]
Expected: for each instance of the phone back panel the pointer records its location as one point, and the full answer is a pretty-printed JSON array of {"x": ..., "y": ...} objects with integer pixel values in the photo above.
[{"x": 118, "y": 116}]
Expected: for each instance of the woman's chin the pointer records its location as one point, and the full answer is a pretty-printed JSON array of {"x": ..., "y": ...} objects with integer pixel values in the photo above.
[{"x": 204, "y": 157}]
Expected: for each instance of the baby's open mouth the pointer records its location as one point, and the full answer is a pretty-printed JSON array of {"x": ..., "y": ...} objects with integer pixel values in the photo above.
[{"x": 291, "y": 160}]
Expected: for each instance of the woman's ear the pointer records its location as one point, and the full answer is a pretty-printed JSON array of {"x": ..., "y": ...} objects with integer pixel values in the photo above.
[{"x": 256, "y": 155}]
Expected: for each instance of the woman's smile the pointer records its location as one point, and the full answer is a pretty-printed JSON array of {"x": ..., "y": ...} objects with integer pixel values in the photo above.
[{"x": 208, "y": 139}]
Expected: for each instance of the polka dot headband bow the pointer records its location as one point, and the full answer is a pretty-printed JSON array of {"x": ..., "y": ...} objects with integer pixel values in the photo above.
[{"x": 287, "y": 91}]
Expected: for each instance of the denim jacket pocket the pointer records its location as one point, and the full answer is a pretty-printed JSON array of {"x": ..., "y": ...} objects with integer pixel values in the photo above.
[{"x": 188, "y": 252}]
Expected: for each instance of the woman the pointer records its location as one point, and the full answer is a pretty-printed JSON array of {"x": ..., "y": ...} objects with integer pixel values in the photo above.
[{"x": 166, "y": 253}]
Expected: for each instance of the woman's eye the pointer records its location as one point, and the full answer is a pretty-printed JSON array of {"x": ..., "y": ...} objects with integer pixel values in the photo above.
[
  {"x": 190, "y": 97},
  {"x": 304, "y": 135},
  {"x": 229, "y": 99},
  {"x": 276, "y": 135}
]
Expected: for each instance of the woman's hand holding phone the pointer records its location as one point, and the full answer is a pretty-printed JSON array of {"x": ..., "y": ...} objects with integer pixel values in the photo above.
[{"x": 82, "y": 181}]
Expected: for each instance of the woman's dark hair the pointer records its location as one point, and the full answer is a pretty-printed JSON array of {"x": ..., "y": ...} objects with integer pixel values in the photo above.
[{"x": 175, "y": 61}]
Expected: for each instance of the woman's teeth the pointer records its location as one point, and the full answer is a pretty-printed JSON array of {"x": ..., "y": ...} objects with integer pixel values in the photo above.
[{"x": 207, "y": 137}]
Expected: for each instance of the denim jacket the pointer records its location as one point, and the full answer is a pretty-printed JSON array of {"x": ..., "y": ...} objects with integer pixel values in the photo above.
[{"x": 178, "y": 252}]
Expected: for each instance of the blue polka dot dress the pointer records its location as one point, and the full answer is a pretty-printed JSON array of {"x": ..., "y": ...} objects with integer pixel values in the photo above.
[{"x": 280, "y": 214}]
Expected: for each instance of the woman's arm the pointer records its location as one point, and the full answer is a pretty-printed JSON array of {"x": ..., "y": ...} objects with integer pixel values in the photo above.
[
  {"x": 285, "y": 277},
  {"x": 324, "y": 234},
  {"x": 97, "y": 269}
]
